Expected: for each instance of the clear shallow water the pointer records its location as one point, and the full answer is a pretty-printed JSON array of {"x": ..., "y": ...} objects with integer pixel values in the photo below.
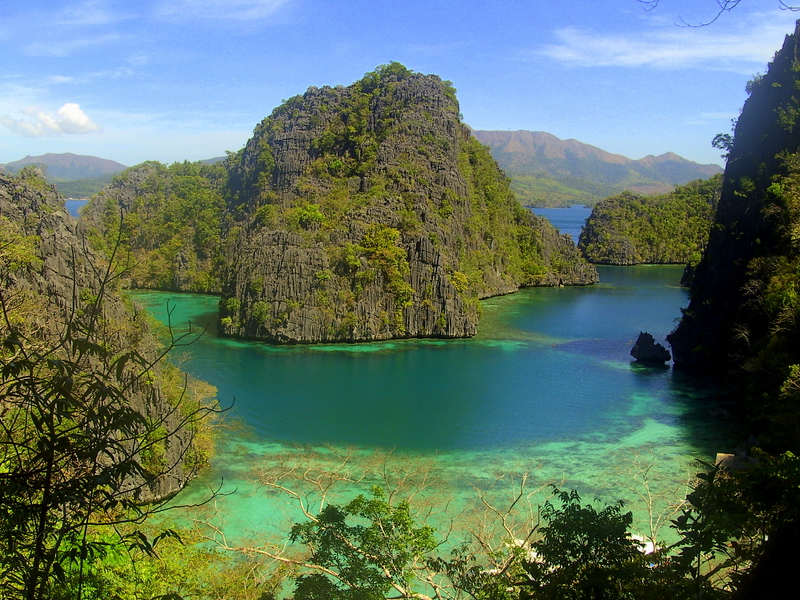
[{"x": 547, "y": 387}]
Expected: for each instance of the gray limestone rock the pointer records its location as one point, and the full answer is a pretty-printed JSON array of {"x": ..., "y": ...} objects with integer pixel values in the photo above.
[{"x": 369, "y": 212}]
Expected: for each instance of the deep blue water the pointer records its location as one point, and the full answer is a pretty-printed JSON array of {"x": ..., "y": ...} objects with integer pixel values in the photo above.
[
  {"x": 548, "y": 364},
  {"x": 567, "y": 220},
  {"x": 74, "y": 206}
]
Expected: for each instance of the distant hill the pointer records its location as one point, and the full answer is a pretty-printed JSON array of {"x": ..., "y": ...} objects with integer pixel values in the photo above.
[
  {"x": 68, "y": 166},
  {"x": 74, "y": 175},
  {"x": 548, "y": 171}
]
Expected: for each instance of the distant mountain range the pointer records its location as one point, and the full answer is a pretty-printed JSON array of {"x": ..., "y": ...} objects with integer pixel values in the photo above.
[
  {"x": 544, "y": 170},
  {"x": 69, "y": 167},
  {"x": 548, "y": 171},
  {"x": 75, "y": 175}
]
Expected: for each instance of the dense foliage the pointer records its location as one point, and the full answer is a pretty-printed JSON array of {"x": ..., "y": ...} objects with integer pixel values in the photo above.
[
  {"x": 91, "y": 424},
  {"x": 171, "y": 224},
  {"x": 83, "y": 188},
  {"x": 630, "y": 229},
  {"x": 770, "y": 374}
]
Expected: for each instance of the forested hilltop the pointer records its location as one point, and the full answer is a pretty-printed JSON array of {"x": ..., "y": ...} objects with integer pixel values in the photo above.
[
  {"x": 354, "y": 213},
  {"x": 630, "y": 229},
  {"x": 168, "y": 221}
]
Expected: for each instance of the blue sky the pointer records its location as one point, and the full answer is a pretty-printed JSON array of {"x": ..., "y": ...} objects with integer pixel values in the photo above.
[{"x": 174, "y": 80}]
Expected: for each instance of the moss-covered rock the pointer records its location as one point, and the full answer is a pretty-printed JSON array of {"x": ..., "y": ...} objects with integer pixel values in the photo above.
[{"x": 630, "y": 229}]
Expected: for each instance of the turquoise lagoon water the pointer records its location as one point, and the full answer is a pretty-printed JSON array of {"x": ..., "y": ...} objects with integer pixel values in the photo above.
[{"x": 547, "y": 388}]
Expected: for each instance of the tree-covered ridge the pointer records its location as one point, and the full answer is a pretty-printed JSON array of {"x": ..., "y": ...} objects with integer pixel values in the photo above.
[
  {"x": 630, "y": 229},
  {"x": 171, "y": 224},
  {"x": 368, "y": 212}
]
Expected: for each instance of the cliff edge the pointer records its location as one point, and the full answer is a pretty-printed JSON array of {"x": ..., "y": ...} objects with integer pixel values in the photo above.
[{"x": 726, "y": 318}]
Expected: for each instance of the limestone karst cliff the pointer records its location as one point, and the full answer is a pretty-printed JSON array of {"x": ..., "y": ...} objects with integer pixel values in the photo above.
[
  {"x": 727, "y": 316},
  {"x": 59, "y": 303},
  {"x": 369, "y": 212}
]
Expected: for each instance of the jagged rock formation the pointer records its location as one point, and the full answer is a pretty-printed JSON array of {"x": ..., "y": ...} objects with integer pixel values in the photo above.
[
  {"x": 49, "y": 277},
  {"x": 369, "y": 212},
  {"x": 646, "y": 350},
  {"x": 726, "y": 316},
  {"x": 629, "y": 229}
]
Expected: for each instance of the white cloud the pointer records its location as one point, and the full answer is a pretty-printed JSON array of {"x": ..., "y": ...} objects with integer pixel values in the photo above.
[
  {"x": 69, "y": 119},
  {"x": 244, "y": 10},
  {"x": 672, "y": 47}
]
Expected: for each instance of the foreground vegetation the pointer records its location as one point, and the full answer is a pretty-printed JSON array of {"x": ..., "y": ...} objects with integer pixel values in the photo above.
[
  {"x": 96, "y": 430},
  {"x": 383, "y": 531}
]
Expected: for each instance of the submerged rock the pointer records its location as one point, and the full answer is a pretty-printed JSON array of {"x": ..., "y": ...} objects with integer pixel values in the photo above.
[{"x": 646, "y": 350}]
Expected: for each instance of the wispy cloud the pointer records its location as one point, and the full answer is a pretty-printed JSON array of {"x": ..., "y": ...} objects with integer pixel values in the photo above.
[
  {"x": 239, "y": 10},
  {"x": 712, "y": 117},
  {"x": 670, "y": 47},
  {"x": 90, "y": 13},
  {"x": 65, "y": 47},
  {"x": 69, "y": 119}
]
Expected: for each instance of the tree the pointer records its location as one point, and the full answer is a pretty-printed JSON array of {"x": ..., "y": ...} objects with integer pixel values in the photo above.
[
  {"x": 583, "y": 552},
  {"x": 90, "y": 426}
]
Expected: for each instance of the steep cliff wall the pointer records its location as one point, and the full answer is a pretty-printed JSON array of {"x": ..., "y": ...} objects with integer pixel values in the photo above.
[
  {"x": 726, "y": 318},
  {"x": 50, "y": 282},
  {"x": 369, "y": 212}
]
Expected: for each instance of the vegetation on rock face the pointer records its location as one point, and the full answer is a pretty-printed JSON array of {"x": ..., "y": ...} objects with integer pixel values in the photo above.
[
  {"x": 743, "y": 316},
  {"x": 629, "y": 229},
  {"x": 369, "y": 212},
  {"x": 171, "y": 224},
  {"x": 91, "y": 425}
]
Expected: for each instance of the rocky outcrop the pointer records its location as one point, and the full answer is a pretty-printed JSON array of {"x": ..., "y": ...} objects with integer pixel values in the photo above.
[
  {"x": 723, "y": 321},
  {"x": 50, "y": 279},
  {"x": 368, "y": 212},
  {"x": 647, "y": 351}
]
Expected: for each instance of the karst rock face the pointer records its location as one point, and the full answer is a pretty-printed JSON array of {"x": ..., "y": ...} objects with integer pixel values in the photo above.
[
  {"x": 722, "y": 321},
  {"x": 64, "y": 270},
  {"x": 368, "y": 212}
]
